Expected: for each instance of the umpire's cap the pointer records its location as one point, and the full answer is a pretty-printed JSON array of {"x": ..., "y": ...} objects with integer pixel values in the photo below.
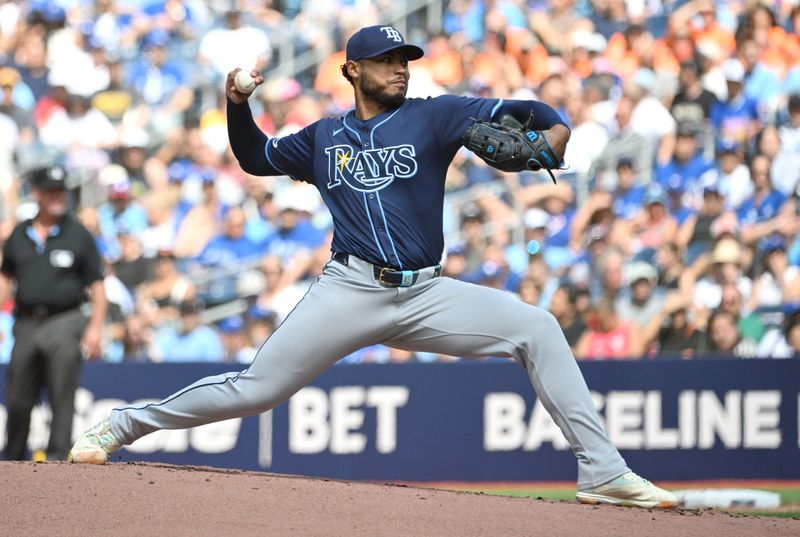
[
  {"x": 372, "y": 41},
  {"x": 51, "y": 178}
]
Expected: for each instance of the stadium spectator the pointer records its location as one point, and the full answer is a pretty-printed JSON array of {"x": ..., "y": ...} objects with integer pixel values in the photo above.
[
  {"x": 776, "y": 283},
  {"x": 235, "y": 344},
  {"x": 237, "y": 44},
  {"x": 724, "y": 338},
  {"x": 162, "y": 218},
  {"x": 131, "y": 267},
  {"x": 669, "y": 265},
  {"x": 629, "y": 193},
  {"x": 30, "y": 59},
  {"x": 202, "y": 221},
  {"x": 738, "y": 117},
  {"x": 120, "y": 213},
  {"x": 766, "y": 212},
  {"x": 698, "y": 232},
  {"x": 625, "y": 143},
  {"x": 231, "y": 248},
  {"x": 749, "y": 322},
  {"x": 563, "y": 307},
  {"x": 589, "y": 137},
  {"x": 455, "y": 264},
  {"x": 161, "y": 82},
  {"x": 260, "y": 323},
  {"x": 687, "y": 163},
  {"x": 10, "y": 81},
  {"x": 670, "y": 332},
  {"x": 692, "y": 103},
  {"x": 189, "y": 340},
  {"x": 790, "y": 146},
  {"x": 642, "y": 299},
  {"x": 783, "y": 170},
  {"x": 650, "y": 117},
  {"x": 783, "y": 341},
  {"x": 729, "y": 176},
  {"x": 721, "y": 268},
  {"x": 607, "y": 337},
  {"x": 652, "y": 227},
  {"x": 158, "y": 298}
]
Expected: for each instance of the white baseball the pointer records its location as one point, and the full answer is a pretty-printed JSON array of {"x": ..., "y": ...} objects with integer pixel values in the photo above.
[{"x": 244, "y": 82}]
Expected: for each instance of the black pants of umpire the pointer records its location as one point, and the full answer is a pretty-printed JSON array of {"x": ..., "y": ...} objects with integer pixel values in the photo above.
[{"x": 46, "y": 354}]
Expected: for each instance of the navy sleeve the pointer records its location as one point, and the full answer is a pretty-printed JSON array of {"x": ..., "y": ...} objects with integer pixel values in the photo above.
[
  {"x": 247, "y": 140},
  {"x": 293, "y": 155},
  {"x": 259, "y": 155},
  {"x": 544, "y": 116},
  {"x": 454, "y": 114},
  {"x": 451, "y": 115}
]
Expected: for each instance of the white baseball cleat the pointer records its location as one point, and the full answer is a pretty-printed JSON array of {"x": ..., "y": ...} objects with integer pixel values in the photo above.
[
  {"x": 629, "y": 490},
  {"x": 94, "y": 446}
]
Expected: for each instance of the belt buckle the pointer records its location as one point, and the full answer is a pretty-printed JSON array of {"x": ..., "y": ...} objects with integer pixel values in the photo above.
[{"x": 380, "y": 276}]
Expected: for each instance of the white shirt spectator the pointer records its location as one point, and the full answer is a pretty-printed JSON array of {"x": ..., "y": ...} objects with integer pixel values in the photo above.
[
  {"x": 735, "y": 187},
  {"x": 227, "y": 48},
  {"x": 9, "y": 137},
  {"x": 73, "y": 65},
  {"x": 770, "y": 292},
  {"x": 708, "y": 293},
  {"x": 786, "y": 166},
  {"x": 92, "y": 129},
  {"x": 774, "y": 345},
  {"x": 586, "y": 143},
  {"x": 652, "y": 120}
]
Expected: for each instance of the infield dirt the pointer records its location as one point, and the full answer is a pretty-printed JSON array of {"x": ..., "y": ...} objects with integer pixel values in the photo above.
[{"x": 138, "y": 499}]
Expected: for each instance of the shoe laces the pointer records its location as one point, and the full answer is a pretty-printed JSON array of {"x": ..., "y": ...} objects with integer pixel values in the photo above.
[
  {"x": 102, "y": 431},
  {"x": 635, "y": 478}
]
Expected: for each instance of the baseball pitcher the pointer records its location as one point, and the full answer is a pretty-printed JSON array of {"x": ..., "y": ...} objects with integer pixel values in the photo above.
[{"x": 381, "y": 171}]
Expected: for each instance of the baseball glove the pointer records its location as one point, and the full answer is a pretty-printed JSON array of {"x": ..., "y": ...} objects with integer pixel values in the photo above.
[{"x": 510, "y": 146}]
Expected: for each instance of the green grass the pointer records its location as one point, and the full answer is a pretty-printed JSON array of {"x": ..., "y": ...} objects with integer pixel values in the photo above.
[{"x": 790, "y": 496}]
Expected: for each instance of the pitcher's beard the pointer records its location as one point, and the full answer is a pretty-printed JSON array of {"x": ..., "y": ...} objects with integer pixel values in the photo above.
[{"x": 381, "y": 96}]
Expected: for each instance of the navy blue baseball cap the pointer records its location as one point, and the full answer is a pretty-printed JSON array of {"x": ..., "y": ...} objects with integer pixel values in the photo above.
[{"x": 372, "y": 41}]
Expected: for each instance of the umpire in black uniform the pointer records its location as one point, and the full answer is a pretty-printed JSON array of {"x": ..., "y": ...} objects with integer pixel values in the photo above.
[{"x": 53, "y": 260}]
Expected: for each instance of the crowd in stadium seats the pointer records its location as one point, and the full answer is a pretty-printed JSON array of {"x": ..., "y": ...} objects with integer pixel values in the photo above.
[{"x": 674, "y": 231}]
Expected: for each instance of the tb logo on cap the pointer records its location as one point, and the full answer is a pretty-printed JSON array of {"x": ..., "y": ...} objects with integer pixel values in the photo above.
[{"x": 392, "y": 34}]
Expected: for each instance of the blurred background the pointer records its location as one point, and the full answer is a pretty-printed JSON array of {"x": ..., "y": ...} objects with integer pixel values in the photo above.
[{"x": 672, "y": 233}]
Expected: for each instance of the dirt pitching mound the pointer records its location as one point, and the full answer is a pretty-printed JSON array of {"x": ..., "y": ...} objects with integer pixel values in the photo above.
[{"x": 135, "y": 499}]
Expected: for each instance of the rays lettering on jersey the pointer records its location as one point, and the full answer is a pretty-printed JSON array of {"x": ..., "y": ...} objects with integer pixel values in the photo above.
[{"x": 370, "y": 169}]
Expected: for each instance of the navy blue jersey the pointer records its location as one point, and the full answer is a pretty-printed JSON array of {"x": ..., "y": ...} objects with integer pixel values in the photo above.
[{"x": 383, "y": 179}]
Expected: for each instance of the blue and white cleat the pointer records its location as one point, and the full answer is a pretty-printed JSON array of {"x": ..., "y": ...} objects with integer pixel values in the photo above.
[
  {"x": 94, "y": 446},
  {"x": 629, "y": 490}
]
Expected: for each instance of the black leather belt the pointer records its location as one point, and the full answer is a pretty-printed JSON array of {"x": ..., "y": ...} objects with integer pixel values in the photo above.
[
  {"x": 41, "y": 312},
  {"x": 387, "y": 275}
]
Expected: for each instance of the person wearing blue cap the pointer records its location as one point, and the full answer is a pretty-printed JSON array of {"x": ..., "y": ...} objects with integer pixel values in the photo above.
[
  {"x": 237, "y": 347},
  {"x": 776, "y": 282},
  {"x": 628, "y": 194},
  {"x": 729, "y": 176},
  {"x": 767, "y": 212},
  {"x": 687, "y": 163},
  {"x": 698, "y": 232},
  {"x": 159, "y": 80},
  {"x": 381, "y": 171}
]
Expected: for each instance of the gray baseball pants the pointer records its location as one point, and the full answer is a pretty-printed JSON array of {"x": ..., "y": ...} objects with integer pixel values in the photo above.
[{"x": 439, "y": 315}]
